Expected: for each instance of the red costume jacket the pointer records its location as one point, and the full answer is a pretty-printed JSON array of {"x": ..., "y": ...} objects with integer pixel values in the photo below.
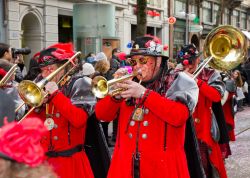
[
  {"x": 68, "y": 132},
  {"x": 160, "y": 137},
  {"x": 203, "y": 119},
  {"x": 229, "y": 116}
]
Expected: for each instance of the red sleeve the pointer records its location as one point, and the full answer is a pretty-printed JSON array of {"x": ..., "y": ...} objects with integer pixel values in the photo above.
[
  {"x": 76, "y": 116},
  {"x": 106, "y": 109},
  {"x": 174, "y": 113},
  {"x": 208, "y": 91}
]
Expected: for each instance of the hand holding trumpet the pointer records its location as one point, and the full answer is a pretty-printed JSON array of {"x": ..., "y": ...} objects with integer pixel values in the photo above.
[
  {"x": 129, "y": 87},
  {"x": 133, "y": 89}
]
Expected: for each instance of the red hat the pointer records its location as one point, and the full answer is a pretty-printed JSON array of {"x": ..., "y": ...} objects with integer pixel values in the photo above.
[
  {"x": 21, "y": 142},
  {"x": 2, "y": 72},
  {"x": 56, "y": 53},
  {"x": 122, "y": 56}
]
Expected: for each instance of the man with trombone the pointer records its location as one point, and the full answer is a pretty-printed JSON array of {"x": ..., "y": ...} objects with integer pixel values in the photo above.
[
  {"x": 64, "y": 112},
  {"x": 152, "y": 113}
]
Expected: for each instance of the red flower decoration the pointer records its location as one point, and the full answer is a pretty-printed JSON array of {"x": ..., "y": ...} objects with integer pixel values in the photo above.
[
  {"x": 21, "y": 142},
  {"x": 122, "y": 56},
  {"x": 2, "y": 72},
  {"x": 155, "y": 39},
  {"x": 147, "y": 45},
  {"x": 185, "y": 62},
  {"x": 165, "y": 48}
]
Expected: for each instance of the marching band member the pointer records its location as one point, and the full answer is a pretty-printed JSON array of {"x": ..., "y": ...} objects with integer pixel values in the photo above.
[
  {"x": 151, "y": 116},
  {"x": 211, "y": 89},
  {"x": 10, "y": 87},
  {"x": 65, "y": 115}
]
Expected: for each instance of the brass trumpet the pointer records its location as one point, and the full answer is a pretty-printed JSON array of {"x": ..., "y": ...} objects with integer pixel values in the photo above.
[
  {"x": 9, "y": 74},
  {"x": 101, "y": 86},
  {"x": 225, "y": 48},
  {"x": 32, "y": 93}
]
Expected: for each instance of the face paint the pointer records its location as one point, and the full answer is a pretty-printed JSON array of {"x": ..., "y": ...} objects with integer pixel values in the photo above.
[{"x": 148, "y": 69}]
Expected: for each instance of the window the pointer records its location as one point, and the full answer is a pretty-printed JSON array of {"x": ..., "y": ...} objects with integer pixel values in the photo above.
[
  {"x": 243, "y": 20},
  {"x": 207, "y": 12},
  {"x": 235, "y": 18},
  {"x": 215, "y": 10},
  {"x": 226, "y": 17},
  {"x": 158, "y": 3},
  {"x": 179, "y": 6},
  {"x": 194, "y": 9}
]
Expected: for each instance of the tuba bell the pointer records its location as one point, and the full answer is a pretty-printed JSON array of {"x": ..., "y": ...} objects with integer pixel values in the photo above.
[{"x": 225, "y": 48}]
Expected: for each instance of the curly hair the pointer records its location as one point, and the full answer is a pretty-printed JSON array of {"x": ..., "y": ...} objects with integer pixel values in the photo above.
[
  {"x": 102, "y": 66},
  {"x": 17, "y": 170}
]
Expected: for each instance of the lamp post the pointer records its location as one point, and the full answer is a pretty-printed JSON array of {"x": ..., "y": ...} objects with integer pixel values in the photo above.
[{"x": 188, "y": 17}]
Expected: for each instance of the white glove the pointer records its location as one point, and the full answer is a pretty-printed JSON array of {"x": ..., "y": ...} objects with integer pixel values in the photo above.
[{"x": 51, "y": 87}]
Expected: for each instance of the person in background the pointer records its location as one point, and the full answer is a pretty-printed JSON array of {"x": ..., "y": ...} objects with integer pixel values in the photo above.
[
  {"x": 10, "y": 87},
  {"x": 114, "y": 63},
  {"x": 229, "y": 102},
  {"x": 90, "y": 58},
  {"x": 34, "y": 69},
  {"x": 102, "y": 66},
  {"x": 239, "y": 92},
  {"x": 211, "y": 89},
  {"x": 20, "y": 62},
  {"x": 6, "y": 54}
]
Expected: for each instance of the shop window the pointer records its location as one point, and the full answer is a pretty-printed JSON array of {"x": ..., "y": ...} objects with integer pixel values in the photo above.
[
  {"x": 179, "y": 6},
  {"x": 215, "y": 10},
  {"x": 65, "y": 28},
  {"x": 243, "y": 20},
  {"x": 226, "y": 17},
  {"x": 207, "y": 12},
  {"x": 235, "y": 18}
]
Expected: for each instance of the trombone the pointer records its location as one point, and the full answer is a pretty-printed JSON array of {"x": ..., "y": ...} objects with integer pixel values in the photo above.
[
  {"x": 225, "y": 48},
  {"x": 32, "y": 93},
  {"x": 101, "y": 86},
  {"x": 7, "y": 77}
]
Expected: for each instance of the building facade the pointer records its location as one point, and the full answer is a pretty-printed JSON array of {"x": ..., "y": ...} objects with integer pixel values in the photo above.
[
  {"x": 40, "y": 23},
  {"x": 207, "y": 11}
]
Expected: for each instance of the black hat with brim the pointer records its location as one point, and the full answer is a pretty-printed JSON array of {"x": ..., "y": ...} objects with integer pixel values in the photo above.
[{"x": 147, "y": 46}]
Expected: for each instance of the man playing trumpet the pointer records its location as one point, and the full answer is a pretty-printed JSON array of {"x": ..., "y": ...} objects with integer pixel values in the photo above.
[{"x": 152, "y": 116}]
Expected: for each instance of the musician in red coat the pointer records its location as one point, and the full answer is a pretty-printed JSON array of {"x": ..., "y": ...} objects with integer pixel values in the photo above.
[
  {"x": 211, "y": 89},
  {"x": 65, "y": 115},
  {"x": 151, "y": 116}
]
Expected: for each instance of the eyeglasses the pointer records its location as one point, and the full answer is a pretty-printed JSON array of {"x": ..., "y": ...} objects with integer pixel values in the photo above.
[{"x": 141, "y": 60}]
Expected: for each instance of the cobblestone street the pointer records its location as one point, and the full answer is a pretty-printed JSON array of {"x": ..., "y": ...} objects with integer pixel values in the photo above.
[{"x": 238, "y": 164}]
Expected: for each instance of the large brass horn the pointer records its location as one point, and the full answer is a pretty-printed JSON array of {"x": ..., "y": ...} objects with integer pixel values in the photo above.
[
  {"x": 101, "y": 86},
  {"x": 9, "y": 74},
  {"x": 32, "y": 93},
  {"x": 225, "y": 48}
]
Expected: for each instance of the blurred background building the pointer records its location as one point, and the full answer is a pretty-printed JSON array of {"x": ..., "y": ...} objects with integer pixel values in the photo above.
[{"x": 40, "y": 23}]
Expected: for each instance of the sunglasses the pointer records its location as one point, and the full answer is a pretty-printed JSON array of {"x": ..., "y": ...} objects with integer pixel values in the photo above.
[{"x": 141, "y": 60}]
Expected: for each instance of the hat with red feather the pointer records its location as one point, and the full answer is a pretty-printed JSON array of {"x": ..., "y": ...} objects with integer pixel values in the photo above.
[{"x": 57, "y": 53}]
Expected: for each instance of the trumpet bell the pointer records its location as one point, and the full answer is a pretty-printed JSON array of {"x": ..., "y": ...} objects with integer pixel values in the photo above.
[
  {"x": 227, "y": 45},
  {"x": 30, "y": 93},
  {"x": 99, "y": 86}
]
